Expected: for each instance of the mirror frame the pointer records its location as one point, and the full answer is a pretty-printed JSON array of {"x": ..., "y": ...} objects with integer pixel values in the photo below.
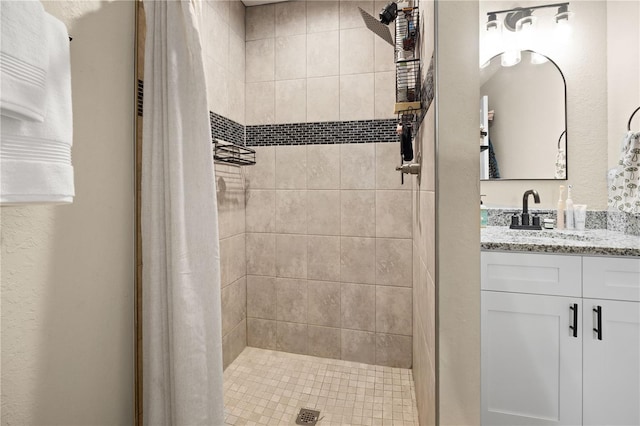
[{"x": 566, "y": 130}]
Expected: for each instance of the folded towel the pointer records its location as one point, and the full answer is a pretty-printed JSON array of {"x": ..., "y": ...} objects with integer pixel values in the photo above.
[
  {"x": 23, "y": 60},
  {"x": 35, "y": 158}
]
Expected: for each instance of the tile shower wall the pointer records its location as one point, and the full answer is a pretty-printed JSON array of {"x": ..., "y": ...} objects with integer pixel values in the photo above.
[
  {"x": 329, "y": 253},
  {"x": 424, "y": 269},
  {"x": 312, "y": 61},
  {"x": 222, "y": 34}
]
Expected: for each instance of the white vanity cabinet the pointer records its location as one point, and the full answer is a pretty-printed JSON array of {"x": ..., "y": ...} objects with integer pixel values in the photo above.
[{"x": 542, "y": 361}]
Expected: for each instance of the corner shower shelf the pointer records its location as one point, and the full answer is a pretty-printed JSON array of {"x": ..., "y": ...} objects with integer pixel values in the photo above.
[{"x": 237, "y": 155}]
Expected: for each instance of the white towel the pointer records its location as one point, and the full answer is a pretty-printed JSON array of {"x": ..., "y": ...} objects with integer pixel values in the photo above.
[
  {"x": 23, "y": 60},
  {"x": 35, "y": 158}
]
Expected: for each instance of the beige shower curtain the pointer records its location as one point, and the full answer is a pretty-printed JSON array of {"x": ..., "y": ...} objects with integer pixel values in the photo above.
[{"x": 182, "y": 343}]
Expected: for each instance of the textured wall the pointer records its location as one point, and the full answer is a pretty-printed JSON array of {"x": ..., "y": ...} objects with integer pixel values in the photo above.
[
  {"x": 583, "y": 61},
  {"x": 68, "y": 271},
  {"x": 457, "y": 207}
]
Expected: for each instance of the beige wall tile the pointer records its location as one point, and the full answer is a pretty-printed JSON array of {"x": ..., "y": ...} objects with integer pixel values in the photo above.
[
  {"x": 291, "y": 256},
  {"x": 323, "y": 166},
  {"x": 218, "y": 39},
  {"x": 291, "y": 298},
  {"x": 323, "y": 54},
  {"x": 237, "y": 17},
  {"x": 323, "y": 212},
  {"x": 291, "y": 211},
  {"x": 261, "y": 254},
  {"x": 394, "y": 262},
  {"x": 356, "y": 97},
  {"x": 323, "y": 16},
  {"x": 387, "y": 177},
  {"x": 261, "y": 297},
  {"x": 323, "y": 258},
  {"x": 357, "y": 260},
  {"x": 393, "y": 310},
  {"x": 357, "y": 166},
  {"x": 234, "y": 343},
  {"x": 358, "y": 306},
  {"x": 291, "y": 167},
  {"x": 385, "y": 95},
  {"x": 237, "y": 62},
  {"x": 262, "y": 175},
  {"x": 234, "y": 305},
  {"x": 232, "y": 259},
  {"x": 260, "y": 60},
  {"x": 260, "y": 22},
  {"x": 356, "y": 51},
  {"x": 393, "y": 350},
  {"x": 236, "y": 99},
  {"x": 427, "y": 219},
  {"x": 427, "y": 148},
  {"x": 350, "y": 15},
  {"x": 323, "y": 99},
  {"x": 291, "y": 337},
  {"x": 324, "y": 342},
  {"x": 358, "y": 213},
  {"x": 393, "y": 214},
  {"x": 291, "y": 18},
  {"x": 383, "y": 51},
  {"x": 220, "y": 9},
  {"x": 261, "y": 209},
  {"x": 291, "y": 101},
  {"x": 217, "y": 90},
  {"x": 291, "y": 57},
  {"x": 261, "y": 333},
  {"x": 260, "y": 103},
  {"x": 358, "y": 346},
  {"x": 324, "y": 303}
]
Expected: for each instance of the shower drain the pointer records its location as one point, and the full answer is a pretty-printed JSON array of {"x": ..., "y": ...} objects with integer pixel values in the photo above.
[{"x": 307, "y": 417}]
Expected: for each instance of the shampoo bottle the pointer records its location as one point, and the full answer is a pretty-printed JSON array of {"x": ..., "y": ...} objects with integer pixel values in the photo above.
[
  {"x": 560, "y": 210},
  {"x": 569, "y": 217},
  {"x": 484, "y": 214}
]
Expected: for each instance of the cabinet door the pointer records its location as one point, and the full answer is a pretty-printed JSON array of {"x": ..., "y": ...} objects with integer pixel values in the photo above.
[
  {"x": 611, "y": 392},
  {"x": 531, "y": 361}
]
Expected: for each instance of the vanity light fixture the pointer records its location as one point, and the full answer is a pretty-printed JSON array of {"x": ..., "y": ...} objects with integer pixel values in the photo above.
[{"x": 519, "y": 22}]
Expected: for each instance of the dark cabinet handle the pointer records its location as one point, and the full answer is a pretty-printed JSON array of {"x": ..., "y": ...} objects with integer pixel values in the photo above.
[
  {"x": 574, "y": 327},
  {"x": 598, "y": 329}
]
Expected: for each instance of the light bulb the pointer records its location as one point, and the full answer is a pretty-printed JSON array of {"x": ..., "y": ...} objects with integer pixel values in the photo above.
[
  {"x": 510, "y": 58},
  {"x": 538, "y": 59},
  {"x": 563, "y": 29}
]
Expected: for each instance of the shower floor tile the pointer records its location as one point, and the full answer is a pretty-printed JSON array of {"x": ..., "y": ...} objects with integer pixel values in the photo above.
[{"x": 263, "y": 387}]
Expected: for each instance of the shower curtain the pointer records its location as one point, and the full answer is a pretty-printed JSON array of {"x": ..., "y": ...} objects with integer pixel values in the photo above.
[
  {"x": 182, "y": 342},
  {"x": 624, "y": 193}
]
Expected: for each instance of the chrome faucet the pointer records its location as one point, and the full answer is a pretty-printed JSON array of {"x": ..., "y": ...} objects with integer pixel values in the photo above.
[{"x": 526, "y": 223}]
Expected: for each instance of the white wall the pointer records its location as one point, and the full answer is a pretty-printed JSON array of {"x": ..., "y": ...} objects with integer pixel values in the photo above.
[
  {"x": 582, "y": 59},
  {"x": 68, "y": 271},
  {"x": 623, "y": 78}
]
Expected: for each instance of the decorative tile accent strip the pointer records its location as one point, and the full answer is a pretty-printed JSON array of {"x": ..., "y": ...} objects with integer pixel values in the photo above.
[
  {"x": 226, "y": 130},
  {"x": 139, "y": 96},
  {"x": 329, "y": 132}
]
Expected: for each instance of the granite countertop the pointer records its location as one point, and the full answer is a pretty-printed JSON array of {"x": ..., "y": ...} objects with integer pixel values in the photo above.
[{"x": 589, "y": 242}]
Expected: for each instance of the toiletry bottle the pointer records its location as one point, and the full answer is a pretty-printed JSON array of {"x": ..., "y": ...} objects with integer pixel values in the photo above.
[
  {"x": 569, "y": 209},
  {"x": 484, "y": 214},
  {"x": 560, "y": 211}
]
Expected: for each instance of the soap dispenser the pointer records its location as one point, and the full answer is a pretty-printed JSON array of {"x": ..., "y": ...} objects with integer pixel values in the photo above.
[{"x": 484, "y": 213}]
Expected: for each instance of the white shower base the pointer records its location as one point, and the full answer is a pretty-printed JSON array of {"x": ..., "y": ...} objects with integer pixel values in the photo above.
[{"x": 263, "y": 387}]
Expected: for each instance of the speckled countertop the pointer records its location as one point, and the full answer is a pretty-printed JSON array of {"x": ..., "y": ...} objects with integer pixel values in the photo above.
[{"x": 590, "y": 241}]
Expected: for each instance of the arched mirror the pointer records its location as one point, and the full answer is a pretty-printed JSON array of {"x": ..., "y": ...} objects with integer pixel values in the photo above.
[{"x": 524, "y": 119}]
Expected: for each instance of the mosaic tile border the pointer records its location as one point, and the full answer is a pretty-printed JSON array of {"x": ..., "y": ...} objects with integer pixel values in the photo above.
[
  {"x": 227, "y": 130},
  {"x": 328, "y": 132}
]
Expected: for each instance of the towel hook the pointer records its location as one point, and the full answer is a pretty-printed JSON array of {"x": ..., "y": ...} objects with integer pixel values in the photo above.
[{"x": 631, "y": 118}]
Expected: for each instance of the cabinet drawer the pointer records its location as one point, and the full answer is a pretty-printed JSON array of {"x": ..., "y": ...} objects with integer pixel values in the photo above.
[
  {"x": 611, "y": 278},
  {"x": 559, "y": 275}
]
